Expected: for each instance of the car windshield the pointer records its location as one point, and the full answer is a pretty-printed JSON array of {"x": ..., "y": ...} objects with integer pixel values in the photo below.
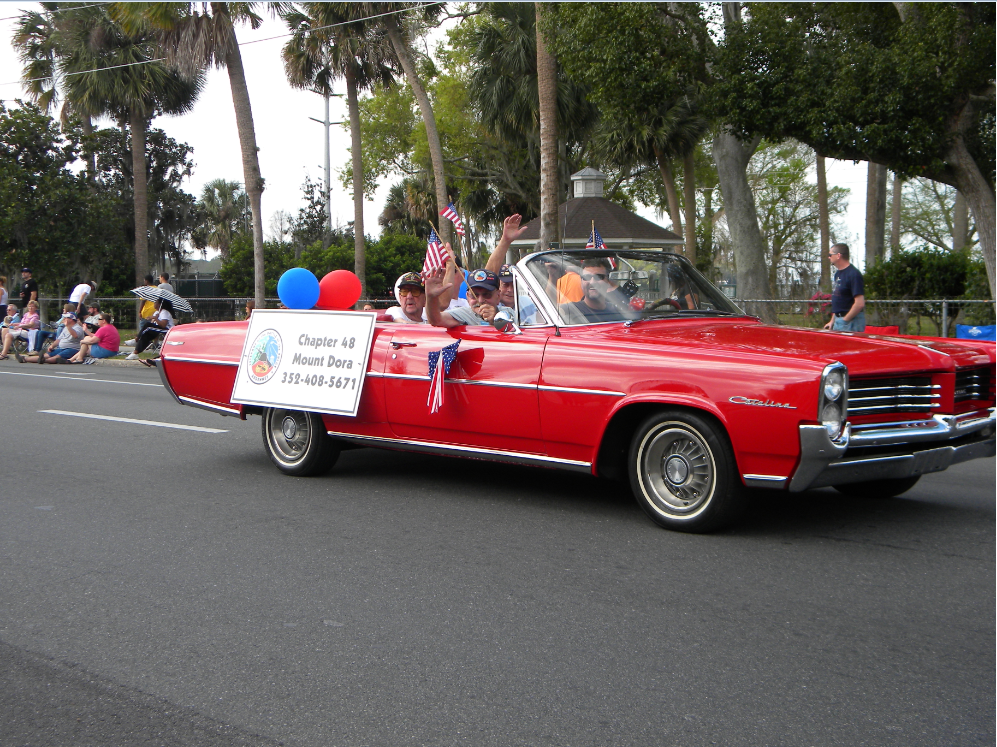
[{"x": 593, "y": 286}]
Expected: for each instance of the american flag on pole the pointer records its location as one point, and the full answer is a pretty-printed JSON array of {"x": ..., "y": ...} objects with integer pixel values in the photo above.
[
  {"x": 450, "y": 213},
  {"x": 436, "y": 256},
  {"x": 438, "y": 373},
  {"x": 595, "y": 240}
]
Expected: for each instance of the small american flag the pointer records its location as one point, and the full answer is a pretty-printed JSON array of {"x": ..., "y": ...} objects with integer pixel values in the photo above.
[
  {"x": 450, "y": 213},
  {"x": 595, "y": 240},
  {"x": 436, "y": 255},
  {"x": 438, "y": 373}
]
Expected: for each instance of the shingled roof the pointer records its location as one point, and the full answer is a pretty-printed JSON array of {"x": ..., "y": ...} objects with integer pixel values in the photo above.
[{"x": 617, "y": 226}]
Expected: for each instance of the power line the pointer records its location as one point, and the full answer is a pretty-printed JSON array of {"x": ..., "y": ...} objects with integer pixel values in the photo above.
[
  {"x": 75, "y": 7},
  {"x": 241, "y": 44}
]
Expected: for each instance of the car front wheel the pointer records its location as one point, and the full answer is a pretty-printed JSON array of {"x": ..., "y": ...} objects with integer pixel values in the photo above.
[
  {"x": 298, "y": 443},
  {"x": 683, "y": 472}
]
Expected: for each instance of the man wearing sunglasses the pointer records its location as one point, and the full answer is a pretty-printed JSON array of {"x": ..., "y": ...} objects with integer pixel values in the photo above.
[
  {"x": 847, "y": 294},
  {"x": 482, "y": 295},
  {"x": 411, "y": 294},
  {"x": 598, "y": 302}
]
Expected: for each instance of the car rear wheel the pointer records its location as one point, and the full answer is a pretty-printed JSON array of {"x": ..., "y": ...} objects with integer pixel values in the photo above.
[
  {"x": 683, "y": 472},
  {"x": 878, "y": 488},
  {"x": 297, "y": 442}
]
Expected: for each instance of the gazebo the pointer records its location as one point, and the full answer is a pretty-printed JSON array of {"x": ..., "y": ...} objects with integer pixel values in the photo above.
[{"x": 619, "y": 228}]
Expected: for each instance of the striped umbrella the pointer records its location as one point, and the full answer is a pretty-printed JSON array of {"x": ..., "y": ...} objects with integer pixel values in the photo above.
[{"x": 149, "y": 293}]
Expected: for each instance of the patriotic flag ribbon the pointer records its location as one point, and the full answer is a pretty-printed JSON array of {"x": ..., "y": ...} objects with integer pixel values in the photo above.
[
  {"x": 438, "y": 373},
  {"x": 436, "y": 255},
  {"x": 450, "y": 213}
]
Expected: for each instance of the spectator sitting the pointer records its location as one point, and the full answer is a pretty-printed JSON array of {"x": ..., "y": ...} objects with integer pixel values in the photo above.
[
  {"x": 66, "y": 345},
  {"x": 21, "y": 329},
  {"x": 103, "y": 343},
  {"x": 162, "y": 319},
  {"x": 93, "y": 317}
]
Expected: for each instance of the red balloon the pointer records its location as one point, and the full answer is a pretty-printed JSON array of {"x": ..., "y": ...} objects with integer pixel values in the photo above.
[{"x": 338, "y": 290}]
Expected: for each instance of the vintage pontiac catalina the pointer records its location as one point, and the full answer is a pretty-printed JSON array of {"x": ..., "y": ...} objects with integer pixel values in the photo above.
[{"x": 671, "y": 387}]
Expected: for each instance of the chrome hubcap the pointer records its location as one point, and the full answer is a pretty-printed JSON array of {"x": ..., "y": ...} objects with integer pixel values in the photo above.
[
  {"x": 677, "y": 469},
  {"x": 289, "y": 434}
]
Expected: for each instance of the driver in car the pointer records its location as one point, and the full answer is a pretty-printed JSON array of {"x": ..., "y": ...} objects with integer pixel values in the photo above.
[
  {"x": 482, "y": 295},
  {"x": 599, "y": 299}
]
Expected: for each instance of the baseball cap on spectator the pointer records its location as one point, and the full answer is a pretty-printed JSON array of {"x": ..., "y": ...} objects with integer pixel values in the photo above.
[
  {"x": 409, "y": 278},
  {"x": 69, "y": 315},
  {"x": 26, "y": 269},
  {"x": 483, "y": 279},
  {"x": 505, "y": 274}
]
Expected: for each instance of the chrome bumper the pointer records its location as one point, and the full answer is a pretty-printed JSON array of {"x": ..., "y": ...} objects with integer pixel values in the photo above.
[{"x": 825, "y": 462}]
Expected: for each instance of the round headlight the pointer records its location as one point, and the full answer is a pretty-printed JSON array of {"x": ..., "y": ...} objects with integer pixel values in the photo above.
[
  {"x": 834, "y": 385},
  {"x": 830, "y": 418}
]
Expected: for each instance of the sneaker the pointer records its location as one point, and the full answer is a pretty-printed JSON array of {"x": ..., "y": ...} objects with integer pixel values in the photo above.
[
  {"x": 20, "y": 358},
  {"x": 89, "y": 361},
  {"x": 131, "y": 357},
  {"x": 129, "y": 342}
]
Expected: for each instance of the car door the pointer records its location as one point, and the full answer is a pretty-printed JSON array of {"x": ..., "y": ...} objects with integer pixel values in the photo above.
[{"x": 490, "y": 395}]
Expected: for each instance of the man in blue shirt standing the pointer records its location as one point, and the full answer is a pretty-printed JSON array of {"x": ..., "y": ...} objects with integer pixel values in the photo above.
[{"x": 848, "y": 293}]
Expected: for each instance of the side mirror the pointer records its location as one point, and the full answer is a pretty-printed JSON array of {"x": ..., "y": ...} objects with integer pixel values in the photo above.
[{"x": 504, "y": 322}]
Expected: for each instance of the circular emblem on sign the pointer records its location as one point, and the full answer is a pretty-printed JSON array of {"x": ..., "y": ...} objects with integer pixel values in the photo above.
[{"x": 264, "y": 356}]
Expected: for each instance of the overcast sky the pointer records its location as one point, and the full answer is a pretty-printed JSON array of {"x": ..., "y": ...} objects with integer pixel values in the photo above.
[{"x": 291, "y": 144}]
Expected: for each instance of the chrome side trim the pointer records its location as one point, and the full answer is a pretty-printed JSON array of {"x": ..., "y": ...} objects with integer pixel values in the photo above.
[
  {"x": 430, "y": 447},
  {"x": 765, "y": 481},
  {"x": 213, "y": 361},
  {"x": 937, "y": 428},
  {"x": 210, "y": 408},
  {"x": 573, "y": 390},
  {"x": 471, "y": 382}
]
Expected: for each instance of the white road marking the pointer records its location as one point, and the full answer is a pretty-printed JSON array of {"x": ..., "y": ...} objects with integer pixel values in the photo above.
[
  {"x": 54, "y": 376},
  {"x": 179, "y": 426}
]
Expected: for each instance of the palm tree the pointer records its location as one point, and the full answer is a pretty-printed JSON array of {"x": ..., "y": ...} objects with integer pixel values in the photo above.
[
  {"x": 398, "y": 36},
  {"x": 356, "y": 51},
  {"x": 106, "y": 70},
  {"x": 196, "y": 36},
  {"x": 222, "y": 204},
  {"x": 547, "y": 96}
]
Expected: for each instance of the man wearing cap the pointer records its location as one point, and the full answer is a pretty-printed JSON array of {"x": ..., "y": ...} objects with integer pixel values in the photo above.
[
  {"x": 29, "y": 288},
  {"x": 507, "y": 297},
  {"x": 66, "y": 345},
  {"x": 482, "y": 295},
  {"x": 410, "y": 292}
]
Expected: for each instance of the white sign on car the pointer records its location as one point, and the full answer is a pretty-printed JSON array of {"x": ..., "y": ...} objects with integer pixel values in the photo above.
[{"x": 305, "y": 360}]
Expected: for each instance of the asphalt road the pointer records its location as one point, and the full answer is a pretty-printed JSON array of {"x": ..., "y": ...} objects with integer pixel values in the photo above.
[{"x": 170, "y": 587}]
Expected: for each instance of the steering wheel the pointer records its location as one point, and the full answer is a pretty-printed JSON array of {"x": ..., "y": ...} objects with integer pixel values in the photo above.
[{"x": 661, "y": 302}]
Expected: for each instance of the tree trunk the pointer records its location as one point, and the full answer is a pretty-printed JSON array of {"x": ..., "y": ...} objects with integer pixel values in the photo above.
[
  {"x": 401, "y": 48},
  {"x": 731, "y": 157},
  {"x": 689, "y": 185},
  {"x": 140, "y": 193},
  {"x": 960, "y": 222},
  {"x": 825, "y": 225},
  {"x": 668, "y": 178},
  {"x": 547, "y": 87},
  {"x": 250, "y": 157},
  {"x": 359, "y": 249},
  {"x": 875, "y": 214},
  {"x": 897, "y": 205}
]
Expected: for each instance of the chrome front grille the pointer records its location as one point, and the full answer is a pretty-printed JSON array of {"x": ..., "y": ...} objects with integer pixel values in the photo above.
[
  {"x": 972, "y": 383},
  {"x": 895, "y": 395}
]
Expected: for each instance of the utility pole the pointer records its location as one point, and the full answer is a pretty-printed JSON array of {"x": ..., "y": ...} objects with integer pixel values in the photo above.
[{"x": 328, "y": 172}]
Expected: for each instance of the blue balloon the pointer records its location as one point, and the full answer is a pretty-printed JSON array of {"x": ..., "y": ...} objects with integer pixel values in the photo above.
[
  {"x": 462, "y": 293},
  {"x": 298, "y": 288}
]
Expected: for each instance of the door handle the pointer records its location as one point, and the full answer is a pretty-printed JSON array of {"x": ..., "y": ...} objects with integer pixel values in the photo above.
[{"x": 395, "y": 345}]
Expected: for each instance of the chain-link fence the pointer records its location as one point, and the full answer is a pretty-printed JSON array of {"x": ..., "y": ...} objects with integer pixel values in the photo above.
[
  {"x": 923, "y": 317},
  {"x": 927, "y": 317}
]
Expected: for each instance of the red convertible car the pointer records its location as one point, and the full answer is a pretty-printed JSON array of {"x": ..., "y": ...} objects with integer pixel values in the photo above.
[{"x": 654, "y": 377}]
